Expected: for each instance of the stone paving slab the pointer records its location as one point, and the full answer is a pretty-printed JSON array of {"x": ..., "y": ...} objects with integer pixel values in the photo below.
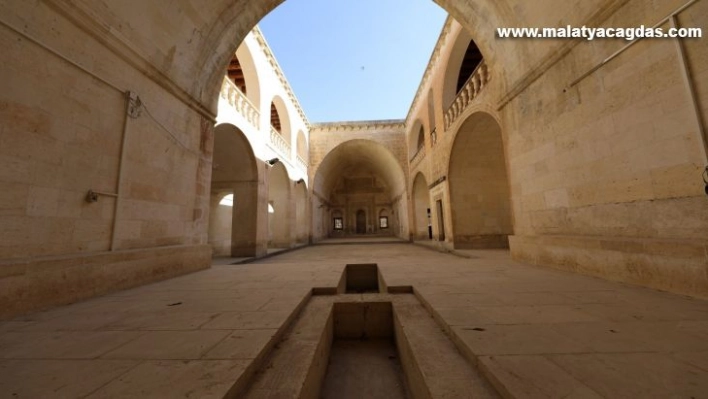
[{"x": 536, "y": 332}]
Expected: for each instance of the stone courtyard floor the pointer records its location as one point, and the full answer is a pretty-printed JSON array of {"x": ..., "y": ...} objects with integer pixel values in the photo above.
[{"x": 533, "y": 332}]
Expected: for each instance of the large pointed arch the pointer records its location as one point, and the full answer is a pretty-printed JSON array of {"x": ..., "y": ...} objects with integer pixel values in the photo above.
[
  {"x": 249, "y": 73},
  {"x": 480, "y": 199},
  {"x": 233, "y": 226},
  {"x": 371, "y": 177}
]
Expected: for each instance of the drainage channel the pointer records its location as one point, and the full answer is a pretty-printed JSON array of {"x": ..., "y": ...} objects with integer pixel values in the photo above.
[{"x": 363, "y": 339}]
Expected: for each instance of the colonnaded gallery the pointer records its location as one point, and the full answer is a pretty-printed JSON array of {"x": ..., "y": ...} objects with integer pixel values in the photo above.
[{"x": 172, "y": 225}]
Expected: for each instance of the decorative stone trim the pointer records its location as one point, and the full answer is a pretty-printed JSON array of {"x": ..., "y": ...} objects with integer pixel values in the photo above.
[
  {"x": 279, "y": 72},
  {"x": 231, "y": 93},
  {"x": 418, "y": 157},
  {"x": 434, "y": 58},
  {"x": 279, "y": 143},
  {"x": 474, "y": 85},
  {"x": 301, "y": 163},
  {"x": 362, "y": 126}
]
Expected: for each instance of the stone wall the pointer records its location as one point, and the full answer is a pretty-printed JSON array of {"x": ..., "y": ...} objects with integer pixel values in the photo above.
[{"x": 604, "y": 177}]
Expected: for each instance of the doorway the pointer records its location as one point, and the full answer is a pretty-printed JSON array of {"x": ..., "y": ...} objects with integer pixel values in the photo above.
[
  {"x": 430, "y": 226},
  {"x": 441, "y": 221},
  {"x": 361, "y": 221}
]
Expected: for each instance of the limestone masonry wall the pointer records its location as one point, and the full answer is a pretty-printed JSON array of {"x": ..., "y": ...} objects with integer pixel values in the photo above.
[{"x": 604, "y": 177}]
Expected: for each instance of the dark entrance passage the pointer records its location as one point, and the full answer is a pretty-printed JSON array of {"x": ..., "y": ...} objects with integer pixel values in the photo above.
[{"x": 360, "y": 221}]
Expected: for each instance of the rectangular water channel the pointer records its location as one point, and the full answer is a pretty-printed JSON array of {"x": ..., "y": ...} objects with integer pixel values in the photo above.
[
  {"x": 363, "y": 360},
  {"x": 370, "y": 345}
]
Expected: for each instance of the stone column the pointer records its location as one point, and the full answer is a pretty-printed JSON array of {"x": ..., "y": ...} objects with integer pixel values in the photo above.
[{"x": 249, "y": 223}]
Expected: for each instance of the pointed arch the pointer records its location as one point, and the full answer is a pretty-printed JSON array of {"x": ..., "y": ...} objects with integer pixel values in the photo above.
[{"x": 480, "y": 198}]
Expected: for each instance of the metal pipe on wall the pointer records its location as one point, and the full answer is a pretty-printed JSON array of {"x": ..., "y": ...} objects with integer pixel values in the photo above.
[
  {"x": 627, "y": 46},
  {"x": 131, "y": 110},
  {"x": 691, "y": 89}
]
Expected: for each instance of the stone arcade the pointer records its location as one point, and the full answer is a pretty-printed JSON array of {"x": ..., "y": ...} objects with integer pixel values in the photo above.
[{"x": 143, "y": 147}]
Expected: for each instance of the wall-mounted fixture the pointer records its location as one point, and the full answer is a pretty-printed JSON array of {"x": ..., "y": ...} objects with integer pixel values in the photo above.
[
  {"x": 705, "y": 179},
  {"x": 92, "y": 196},
  {"x": 273, "y": 161}
]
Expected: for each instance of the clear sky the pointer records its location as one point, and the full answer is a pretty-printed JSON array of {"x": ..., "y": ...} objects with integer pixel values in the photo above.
[{"x": 350, "y": 60}]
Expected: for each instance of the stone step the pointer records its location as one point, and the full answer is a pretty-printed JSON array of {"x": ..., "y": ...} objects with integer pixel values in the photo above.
[{"x": 433, "y": 364}]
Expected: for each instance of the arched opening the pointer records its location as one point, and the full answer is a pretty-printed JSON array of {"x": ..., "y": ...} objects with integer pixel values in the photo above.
[
  {"x": 416, "y": 138},
  {"x": 464, "y": 59},
  {"x": 421, "y": 209},
  {"x": 280, "y": 234},
  {"x": 234, "y": 196},
  {"x": 421, "y": 139},
  {"x": 384, "y": 221},
  {"x": 279, "y": 119},
  {"x": 470, "y": 62},
  {"x": 361, "y": 175},
  {"x": 245, "y": 74},
  {"x": 479, "y": 188},
  {"x": 301, "y": 220},
  {"x": 337, "y": 224}
]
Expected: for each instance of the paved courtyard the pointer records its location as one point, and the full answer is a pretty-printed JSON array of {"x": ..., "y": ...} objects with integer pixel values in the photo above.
[{"x": 533, "y": 332}]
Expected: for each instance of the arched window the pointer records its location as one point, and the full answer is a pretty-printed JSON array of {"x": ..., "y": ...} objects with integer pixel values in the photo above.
[
  {"x": 383, "y": 219},
  {"x": 470, "y": 62},
  {"x": 465, "y": 58},
  {"x": 421, "y": 138},
  {"x": 337, "y": 220}
]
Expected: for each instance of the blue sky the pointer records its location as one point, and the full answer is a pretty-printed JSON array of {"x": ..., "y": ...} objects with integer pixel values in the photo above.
[{"x": 350, "y": 60}]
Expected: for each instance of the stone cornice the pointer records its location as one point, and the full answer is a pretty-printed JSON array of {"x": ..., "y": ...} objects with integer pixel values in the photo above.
[
  {"x": 359, "y": 126},
  {"x": 279, "y": 72},
  {"x": 434, "y": 57}
]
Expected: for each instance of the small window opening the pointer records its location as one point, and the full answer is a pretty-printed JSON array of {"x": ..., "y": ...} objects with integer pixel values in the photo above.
[
  {"x": 383, "y": 222},
  {"x": 227, "y": 200}
]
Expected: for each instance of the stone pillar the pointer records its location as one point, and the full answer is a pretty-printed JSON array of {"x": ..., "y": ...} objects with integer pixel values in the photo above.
[{"x": 249, "y": 223}]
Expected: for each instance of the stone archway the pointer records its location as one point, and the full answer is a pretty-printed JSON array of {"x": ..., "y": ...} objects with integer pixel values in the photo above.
[
  {"x": 234, "y": 195},
  {"x": 358, "y": 175},
  {"x": 480, "y": 202}
]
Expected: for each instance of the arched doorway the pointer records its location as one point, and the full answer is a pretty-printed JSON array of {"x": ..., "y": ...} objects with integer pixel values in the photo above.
[
  {"x": 361, "y": 175},
  {"x": 234, "y": 195},
  {"x": 421, "y": 209},
  {"x": 361, "y": 221},
  {"x": 416, "y": 140},
  {"x": 479, "y": 189}
]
